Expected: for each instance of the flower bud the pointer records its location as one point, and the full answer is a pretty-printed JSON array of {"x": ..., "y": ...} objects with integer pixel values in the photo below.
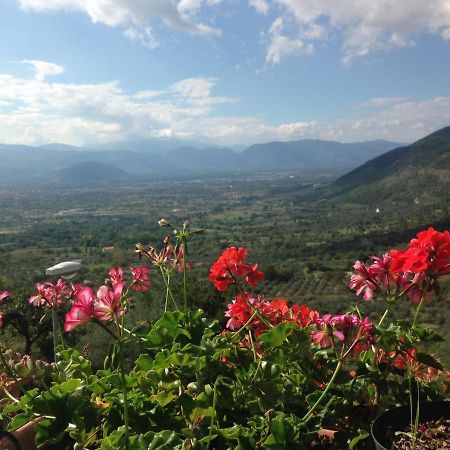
[
  {"x": 164, "y": 223},
  {"x": 30, "y": 364}
]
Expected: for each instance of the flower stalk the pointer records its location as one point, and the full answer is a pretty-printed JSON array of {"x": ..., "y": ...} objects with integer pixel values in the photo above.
[{"x": 308, "y": 416}]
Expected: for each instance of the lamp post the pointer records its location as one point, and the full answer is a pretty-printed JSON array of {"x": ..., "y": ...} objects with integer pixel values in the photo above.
[{"x": 66, "y": 270}]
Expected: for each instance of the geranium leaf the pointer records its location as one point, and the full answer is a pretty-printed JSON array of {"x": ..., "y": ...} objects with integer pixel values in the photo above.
[{"x": 277, "y": 336}]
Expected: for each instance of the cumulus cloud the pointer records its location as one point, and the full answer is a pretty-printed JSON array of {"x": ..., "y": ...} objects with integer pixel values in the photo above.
[
  {"x": 262, "y": 6},
  {"x": 34, "y": 110},
  {"x": 144, "y": 36},
  {"x": 134, "y": 16},
  {"x": 365, "y": 26},
  {"x": 280, "y": 45},
  {"x": 197, "y": 91},
  {"x": 42, "y": 69}
]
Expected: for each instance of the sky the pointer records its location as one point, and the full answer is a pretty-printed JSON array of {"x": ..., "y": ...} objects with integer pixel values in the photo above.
[{"x": 228, "y": 72}]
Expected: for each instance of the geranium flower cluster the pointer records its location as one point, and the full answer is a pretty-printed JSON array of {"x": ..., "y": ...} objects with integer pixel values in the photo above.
[
  {"x": 429, "y": 252},
  {"x": 49, "y": 295},
  {"x": 106, "y": 305},
  {"x": 346, "y": 333},
  {"x": 231, "y": 268},
  {"x": 410, "y": 272},
  {"x": 407, "y": 360},
  {"x": 168, "y": 257},
  {"x": 247, "y": 310}
]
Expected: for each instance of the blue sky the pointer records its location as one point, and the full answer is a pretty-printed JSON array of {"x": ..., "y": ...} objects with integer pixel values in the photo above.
[{"x": 90, "y": 72}]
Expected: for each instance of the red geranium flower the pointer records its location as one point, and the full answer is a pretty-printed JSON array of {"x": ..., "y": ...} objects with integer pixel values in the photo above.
[
  {"x": 231, "y": 268},
  {"x": 429, "y": 251}
]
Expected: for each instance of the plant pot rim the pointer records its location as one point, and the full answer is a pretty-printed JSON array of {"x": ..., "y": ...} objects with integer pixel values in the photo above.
[{"x": 400, "y": 416}]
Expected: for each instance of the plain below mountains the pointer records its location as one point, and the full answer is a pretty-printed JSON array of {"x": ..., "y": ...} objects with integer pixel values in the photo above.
[{"x": 61, "y": 163}]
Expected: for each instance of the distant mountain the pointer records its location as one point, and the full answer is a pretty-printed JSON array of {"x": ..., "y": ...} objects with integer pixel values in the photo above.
[
  {"x": 88, "y": 172},
  {"x": 419, "y": 170},
  {"x": 25, "y": 164},
  {"x": 312, "y": 154}
]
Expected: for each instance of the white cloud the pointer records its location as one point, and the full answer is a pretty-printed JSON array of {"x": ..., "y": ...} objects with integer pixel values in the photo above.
[
  {"x": 135, "y": 16},
  {"x": 365, "y": 26},
  {"x": 36, "y": 111},
  {"x": 262, "y": 6},
  {"x": 280, "y": 45},
  {"x": 42, "y": 69},
  {"x": 197, "y": 92},
  {"x": 446, "y": 34},
  {"x": 144, "y": 36}
]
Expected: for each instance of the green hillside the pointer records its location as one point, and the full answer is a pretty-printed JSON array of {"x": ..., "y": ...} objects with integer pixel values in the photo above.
[{"x": 419, "y": 172}]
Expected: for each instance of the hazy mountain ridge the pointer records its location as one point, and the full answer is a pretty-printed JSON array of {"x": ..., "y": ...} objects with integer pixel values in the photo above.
[
  {"x": 91, "y": 172},
  {"x": 27, "y": 163},
  {"x": 412, "y": 172}
]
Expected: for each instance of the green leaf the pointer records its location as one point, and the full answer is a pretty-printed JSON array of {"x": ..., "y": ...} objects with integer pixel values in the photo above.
[
  {"x": 277, "y": 336},
  {"x": 362, "y": 436},
  {"x": 428, "y": 335},
  {"x": 19, "y": 420},
  {"x": 144, "y": 362},
  {"x": 428, "y": 360},
  {"x": 49, "y": 432},
  {"x": 164, "y": 397}
]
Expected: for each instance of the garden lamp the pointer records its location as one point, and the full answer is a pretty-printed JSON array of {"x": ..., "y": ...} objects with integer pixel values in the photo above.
[{"x": 66, "y": 270}]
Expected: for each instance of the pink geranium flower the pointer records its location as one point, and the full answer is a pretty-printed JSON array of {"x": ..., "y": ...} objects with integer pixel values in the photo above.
[
  {"x": 115, "y": 275},
  {"x": 362, "y": 282},
  {"x": 380, "y": 271},
  {"x": 49, "y": 294},
  {"x": 4, "y": 295},
  {"x": 324, "y": 335},
  {"x": 82, "y": 310},
  {"x": 141, "y": 280},
  {"x": 107, "y": 304}
]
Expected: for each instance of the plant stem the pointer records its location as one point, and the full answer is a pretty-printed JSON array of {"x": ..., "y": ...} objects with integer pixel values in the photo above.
[
  {"x": 102, "y": 325},
  {"x": 245, "y": 325},
  {"x": 384, "y": 315},
  {"x": 167, "y": 293},
  {"x": 213, "y": 418},
  {"x": 309, "y": 414},
  {"x": 417, "y": 310},
  {"x": 55, "y": 339},
  {"x": 168, "y": 288},
  {"x": 184, "y": 247},
  {"x": 125, "y": 395},
  {"x": 132, "y": 334},
  {"x": 255, "y": 358}
]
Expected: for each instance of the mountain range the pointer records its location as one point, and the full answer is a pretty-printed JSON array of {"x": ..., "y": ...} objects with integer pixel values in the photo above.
[{"x": 56, "y": 163}]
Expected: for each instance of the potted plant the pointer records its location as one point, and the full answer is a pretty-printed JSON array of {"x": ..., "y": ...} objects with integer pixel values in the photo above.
[
  {"x": 273, "y": 376},
  {"x": 396, "y": 429}
]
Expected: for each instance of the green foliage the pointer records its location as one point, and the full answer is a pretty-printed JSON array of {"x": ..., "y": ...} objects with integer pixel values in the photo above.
[{"x": 195, "y": 387}]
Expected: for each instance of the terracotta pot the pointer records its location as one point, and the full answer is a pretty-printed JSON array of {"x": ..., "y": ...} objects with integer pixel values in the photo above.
[
  {"x": 327, "y": 433},
  {"x": 26, "y": 435}
]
